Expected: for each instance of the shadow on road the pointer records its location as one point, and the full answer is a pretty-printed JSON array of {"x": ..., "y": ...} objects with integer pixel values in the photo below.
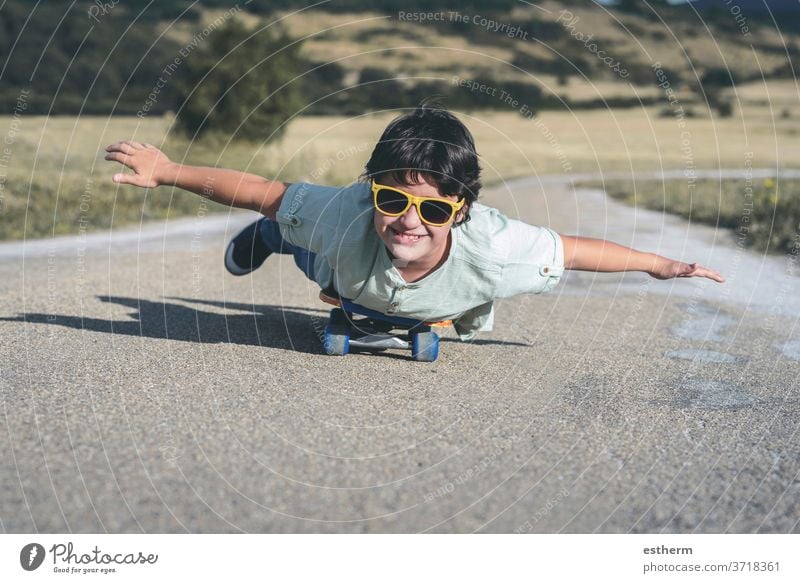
[
  {"x": 284, "y": 327},
  {"x": 264, "y": 325}
]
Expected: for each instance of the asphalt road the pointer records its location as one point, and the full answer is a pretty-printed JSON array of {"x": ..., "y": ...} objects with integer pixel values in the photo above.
[{"x": 145, "y": 390}]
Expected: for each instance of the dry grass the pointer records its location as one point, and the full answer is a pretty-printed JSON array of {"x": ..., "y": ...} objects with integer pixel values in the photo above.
[
  {"x": 779, "y": 93},
  {"x": 333, "y": 149}
]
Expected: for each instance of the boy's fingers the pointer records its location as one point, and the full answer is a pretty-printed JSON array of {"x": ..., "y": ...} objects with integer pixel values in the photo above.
[
  {"x": 711, "y": 274},
  {"x": 126, "y": 143},
  {"x": 121, "y": 147},
  {"x": 698, "y": 271},
  {"x": 121, "y": 158},
  {"x": 121, "y": 178}
]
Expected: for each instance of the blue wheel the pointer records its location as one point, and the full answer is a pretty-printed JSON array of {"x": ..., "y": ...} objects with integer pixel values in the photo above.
[
  {"x": 425, "y": 346},
  {"x": 336, "y": 338}
]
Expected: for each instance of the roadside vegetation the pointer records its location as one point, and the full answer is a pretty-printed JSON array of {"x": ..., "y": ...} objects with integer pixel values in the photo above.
[{"x": 764, "y": 214}]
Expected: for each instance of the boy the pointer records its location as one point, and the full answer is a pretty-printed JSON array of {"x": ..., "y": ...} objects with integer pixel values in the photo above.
[{"x": 410, "y": 239}]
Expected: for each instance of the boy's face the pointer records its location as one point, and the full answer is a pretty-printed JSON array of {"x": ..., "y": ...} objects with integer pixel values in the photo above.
[{"x": 409, "y": 241}]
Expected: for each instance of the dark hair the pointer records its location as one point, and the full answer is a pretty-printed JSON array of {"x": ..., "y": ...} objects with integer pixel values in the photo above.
[{"x": 428, "y": 142}]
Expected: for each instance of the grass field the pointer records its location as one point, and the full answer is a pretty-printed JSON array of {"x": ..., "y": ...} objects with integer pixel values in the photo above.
[{"x": 54, "y": 179}]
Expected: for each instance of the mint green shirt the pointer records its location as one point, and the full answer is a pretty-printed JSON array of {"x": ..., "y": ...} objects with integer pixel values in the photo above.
[{"x": 491, "y": 256}]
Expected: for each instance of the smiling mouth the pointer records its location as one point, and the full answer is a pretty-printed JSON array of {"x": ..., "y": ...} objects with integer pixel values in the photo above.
[{"x": 405, "y": 237}]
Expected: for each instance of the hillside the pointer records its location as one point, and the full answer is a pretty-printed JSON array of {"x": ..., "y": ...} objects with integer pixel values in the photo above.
[{"x": 544, "y": 46}]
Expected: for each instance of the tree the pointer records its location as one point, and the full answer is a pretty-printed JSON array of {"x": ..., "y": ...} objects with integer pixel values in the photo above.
[{"x": 240, "y": 82}]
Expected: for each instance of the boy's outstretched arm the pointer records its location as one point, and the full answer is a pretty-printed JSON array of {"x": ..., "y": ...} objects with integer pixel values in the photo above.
[
  {"x": 152, "y": 168},
  {"x": 588, "y": 254}
]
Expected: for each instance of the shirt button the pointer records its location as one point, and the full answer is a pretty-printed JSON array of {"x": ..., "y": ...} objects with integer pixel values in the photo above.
[{"x": 395, "y": 304}]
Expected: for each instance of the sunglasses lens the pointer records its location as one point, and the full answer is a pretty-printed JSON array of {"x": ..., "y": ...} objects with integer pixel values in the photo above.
[
  {"x": 436, "y": 212},
  {"x": 391, "y": 202}
]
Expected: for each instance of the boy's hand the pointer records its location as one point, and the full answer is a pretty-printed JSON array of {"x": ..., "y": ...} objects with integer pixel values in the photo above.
[
  {"x": 150, "y": 166},
  {"x": 668, "y": 269}
]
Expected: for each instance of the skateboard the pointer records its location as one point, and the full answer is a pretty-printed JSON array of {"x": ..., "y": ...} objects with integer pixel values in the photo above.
[{"x": 373, "y": 332}]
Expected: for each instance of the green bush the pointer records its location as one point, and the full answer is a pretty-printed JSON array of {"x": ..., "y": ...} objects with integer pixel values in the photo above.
[
  {"x": 776, "y": 216},
  {"x": 241, "y": 83}
]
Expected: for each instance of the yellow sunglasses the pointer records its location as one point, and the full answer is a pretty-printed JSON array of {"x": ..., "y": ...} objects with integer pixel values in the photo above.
[{"x": 394, "y": 202}]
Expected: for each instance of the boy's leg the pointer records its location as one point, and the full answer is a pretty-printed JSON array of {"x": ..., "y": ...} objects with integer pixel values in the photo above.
[
  {"x": 305, "y": 261},
  {"x": 250, "y": 248},
  {"x": 271, "y": 235}
]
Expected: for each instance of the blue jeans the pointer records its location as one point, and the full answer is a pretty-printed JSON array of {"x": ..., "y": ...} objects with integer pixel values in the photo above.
[{"x": 271, "y": 235}]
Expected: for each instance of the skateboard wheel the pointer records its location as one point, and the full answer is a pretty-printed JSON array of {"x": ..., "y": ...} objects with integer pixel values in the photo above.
[
  {"x": 336, "y": 338},
  {"x": 336, "y": 341},
  {"x": 425, "y": 346}
]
